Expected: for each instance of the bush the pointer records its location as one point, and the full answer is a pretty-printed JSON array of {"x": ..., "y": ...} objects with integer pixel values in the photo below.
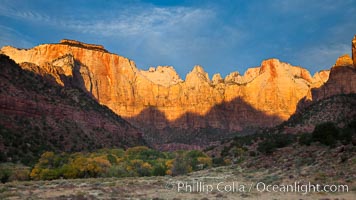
[
  {"x": 305, "y": 139},
  {"x": 326, "y": 133},
  {"x": 159, "y": 170},
  {"x": 180, "y": 165},
  {"x": 13, "y": 172},
  {"x": 5, "y": 175},
  {"x": 218, "y": 161},
  {"x": 271, "y": 143},
  {"x": 117, "y": 171},
  {"x": 266, "y": 147},
  {"x": 140, "y": 168},
  {"x": 283, "y": 140},
  {"x": 136, "y": 161},
  {"x": 348, "y": 133}
]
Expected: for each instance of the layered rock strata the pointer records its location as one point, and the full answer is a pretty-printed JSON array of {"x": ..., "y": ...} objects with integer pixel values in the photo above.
[{"x": 158, "y": 99}]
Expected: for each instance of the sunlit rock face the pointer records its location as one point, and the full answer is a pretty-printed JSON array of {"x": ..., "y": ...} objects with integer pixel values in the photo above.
[
  {"x": 63, "y": 119},
  {"x": 354, "y": 51},
  {"x": 344, "y": 60},
  {"x": 342, "y": 80},
  {"x": 320, "y": 78},
  {"x": 162, "y": 75},
  {"x": 158, "y": 98}
]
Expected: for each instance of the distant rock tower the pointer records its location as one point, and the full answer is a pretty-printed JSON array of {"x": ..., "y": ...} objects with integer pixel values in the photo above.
[{"x": 354, "y": 51}]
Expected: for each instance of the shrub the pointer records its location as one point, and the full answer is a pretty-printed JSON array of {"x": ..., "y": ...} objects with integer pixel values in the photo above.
[
  {"x": 348, "y": 132},
  {"x": 111, "y": 159},
  {"x": 140, "y": 168},
  {"x": 266, "y": 147},
  {"x": 305, "y": 139},
  {"x": 13, "y": 172},
  {"x": 136, "y": 161},
  {"x": 117, "y": 171},
  {"x": 274, "y": 141},
  {"x": 143, "y": 153},
  {"x": 192, "y": 158},
  {"x": 326, "y": 133},
  {"x": 283, "y": 140},
  {"x": 204, "y": 162},
  {"x": 5, "y": 175},
  {"x": 218, "y": 161},
  {"x": 180, "y": 165}
]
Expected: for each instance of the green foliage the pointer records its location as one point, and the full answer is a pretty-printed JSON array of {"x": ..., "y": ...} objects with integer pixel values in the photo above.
[
  {"x": 180, "y": 165},
  {"x": 24, "y": 137},
  {"x": 13, "y": 172},
  {"x": 329, "y": 134},
  {"x": 305, "y": 139},
  {"x": 159, "y": 169},
  {"x": 4, "y": 175},
  {"x": 266, "y": 147},
  {"x": 187, "y": 161},
  {"x": 274, "y": 141},
  {"x": 111, "y": 159},
  {"x": 118, "y": 170},
  {"x": 136, "y": 161},
  {"x": 143, "y": 153},
  {"x": 238, "y": 146},
  {"x": 326, "y": 133},
  {"x": 348, "y": 133},
  {"x": 218, "y": 161},
  {"x": 140, "y": 167}
]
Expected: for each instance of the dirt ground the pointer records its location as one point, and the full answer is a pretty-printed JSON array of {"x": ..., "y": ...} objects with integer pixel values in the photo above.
[
  {"x": 230, "y": 182},
  {"x": 296, "y": 172}
]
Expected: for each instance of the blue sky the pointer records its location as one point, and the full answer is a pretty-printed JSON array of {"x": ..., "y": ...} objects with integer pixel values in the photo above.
[{"x": 222, "y": 36}]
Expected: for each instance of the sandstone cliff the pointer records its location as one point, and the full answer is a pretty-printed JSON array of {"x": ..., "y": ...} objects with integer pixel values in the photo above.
[
  {"x": 342, "y": 80},
  {"x": 332, "y": 101},
  {"x": 38, "y": 115},
  {"x": 158, "y": 101},
  {"x": 354, "y": 50},
  {"x": 162, "y": 75}
]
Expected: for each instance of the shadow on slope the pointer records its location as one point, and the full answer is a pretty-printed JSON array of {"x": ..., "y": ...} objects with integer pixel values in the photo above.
[
  {"x": 38, "y": 115},
  {"x": 222, "y": 121},
  {"x": 335, "y": 101}
]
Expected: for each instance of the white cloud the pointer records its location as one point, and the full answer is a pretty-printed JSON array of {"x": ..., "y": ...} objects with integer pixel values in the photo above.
[
  {"x": 14, "y": 9},
  {"x": 13, "y": 37},
  {"x": 323, "y": 56},
  {"x": 316, "y": 6},
  {"x": 127, "y": 21}
]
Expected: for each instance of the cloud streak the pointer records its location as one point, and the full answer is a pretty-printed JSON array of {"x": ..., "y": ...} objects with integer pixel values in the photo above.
[
  {"x": 323, "y": 56},
  {"x": 13, "y": 37},
  {"x": 218, "y": 36}
]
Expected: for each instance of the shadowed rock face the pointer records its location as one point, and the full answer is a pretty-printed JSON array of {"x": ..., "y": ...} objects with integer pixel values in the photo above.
[
  {"x": 83, "y": 45},
  {"x": 332, "y": 101},
  {"x": 274, "y": 88},
  {"x": 342, "y": 80},
  {"x": 37, "y": 114}
]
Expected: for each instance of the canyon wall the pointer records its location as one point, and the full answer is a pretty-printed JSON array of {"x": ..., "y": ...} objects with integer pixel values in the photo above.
[
  {"x": 158, "y": 99},
  {"x": 37, "y": 115}
]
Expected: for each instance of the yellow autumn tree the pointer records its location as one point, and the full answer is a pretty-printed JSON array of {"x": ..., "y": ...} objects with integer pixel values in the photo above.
[{"x": 169, "y": 166}]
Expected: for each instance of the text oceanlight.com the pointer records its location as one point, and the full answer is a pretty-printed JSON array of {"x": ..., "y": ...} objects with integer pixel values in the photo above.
[{"x": 237, "y": 187}]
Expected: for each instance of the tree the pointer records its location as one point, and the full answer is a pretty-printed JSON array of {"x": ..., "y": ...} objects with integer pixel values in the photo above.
[
  {"x": 181, "y": 165},
  {"x": 326, "y": 133},
  {"x": 111, "y": 159},
  {"x": 4, "y": 175},
  {"x": 140, "y": 167}
]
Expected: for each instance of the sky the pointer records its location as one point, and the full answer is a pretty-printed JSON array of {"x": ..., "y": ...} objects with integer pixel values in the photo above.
[{"x": 222, "y": 36}]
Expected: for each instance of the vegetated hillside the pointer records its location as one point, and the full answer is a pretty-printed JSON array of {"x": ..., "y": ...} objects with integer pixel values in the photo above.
[
  {"x": 169, "y": 108},
  {"x": 36, "y": 115},
  {"x": 339, "y": 109}
]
